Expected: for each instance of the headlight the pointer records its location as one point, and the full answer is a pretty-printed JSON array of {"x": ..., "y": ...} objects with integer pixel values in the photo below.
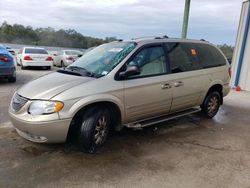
[{"x": 45, "y": 107}]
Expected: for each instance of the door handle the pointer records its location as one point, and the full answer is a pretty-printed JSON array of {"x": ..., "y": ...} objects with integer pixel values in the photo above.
[
  {"x": 166, "y": 86},
  {"x": 178, "y": 84}
]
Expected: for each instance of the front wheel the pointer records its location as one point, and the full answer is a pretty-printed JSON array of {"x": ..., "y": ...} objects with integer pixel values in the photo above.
[
  {"x": 94, "y": 129},
  {"x": 211, "y": 104}
]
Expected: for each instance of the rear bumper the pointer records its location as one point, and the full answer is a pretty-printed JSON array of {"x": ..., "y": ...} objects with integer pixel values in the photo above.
[
  {"x": 37, "y": 63},
  {"x": 41, "y": 132},
  {"x": 68, "y": 62},
  {"x": 226, "y": 89},
  {"x": 7, "y": 71}
]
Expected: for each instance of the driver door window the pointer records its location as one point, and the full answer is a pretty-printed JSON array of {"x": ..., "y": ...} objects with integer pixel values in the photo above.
[{"x": 151, "y": 61}]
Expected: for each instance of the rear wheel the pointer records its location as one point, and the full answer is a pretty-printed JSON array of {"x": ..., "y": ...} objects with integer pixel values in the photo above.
[
  {"x": 12, "y": 79},
  {"x": 94, "y": 129},
  {"x": 211, "y": 104}
]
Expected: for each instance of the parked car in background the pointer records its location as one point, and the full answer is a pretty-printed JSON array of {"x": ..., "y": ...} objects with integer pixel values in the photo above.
[
  {"x": 66, "y": 57},
  {"x": 34, "y": 57},
  {"x": 88, "y": 50},
  {"x": 7, "y": 65},
  {"x": 120, "y": 84},
  {"x": 12, "y": 52}
]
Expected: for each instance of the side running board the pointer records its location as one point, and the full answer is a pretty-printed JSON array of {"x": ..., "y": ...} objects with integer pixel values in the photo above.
[{"x": 148, "y": 122}]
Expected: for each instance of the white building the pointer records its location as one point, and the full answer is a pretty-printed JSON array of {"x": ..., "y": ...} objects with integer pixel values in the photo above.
[{"x": 241, "y": 57}]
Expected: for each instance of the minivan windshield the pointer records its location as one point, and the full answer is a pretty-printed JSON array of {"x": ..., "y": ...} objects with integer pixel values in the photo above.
[{"x": 101, "y": 60}]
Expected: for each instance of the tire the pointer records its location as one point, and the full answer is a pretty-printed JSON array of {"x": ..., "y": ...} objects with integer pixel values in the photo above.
[
  {"x": 62, "y": 64},
  {"x": 12, "y": 79},
  {"x": 211, "y": 104},
  {"x": 94, "y": 129}
]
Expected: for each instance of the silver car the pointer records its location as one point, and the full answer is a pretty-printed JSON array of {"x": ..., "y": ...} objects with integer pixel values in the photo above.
[
  {"x": 131, "y": 84},
  {"x": 66, "y": 57}
]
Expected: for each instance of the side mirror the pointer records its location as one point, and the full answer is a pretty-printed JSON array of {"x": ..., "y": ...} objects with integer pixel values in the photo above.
[
  {"x": 130, "y": 71},
  {"x": 79, "y": 55}
]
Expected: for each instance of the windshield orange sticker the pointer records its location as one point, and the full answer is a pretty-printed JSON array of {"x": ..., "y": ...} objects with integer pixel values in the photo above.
[{"x": 193, "y": 51}]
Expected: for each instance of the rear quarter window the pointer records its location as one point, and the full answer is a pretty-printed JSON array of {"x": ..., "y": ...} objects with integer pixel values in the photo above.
[{"x": 209, "y": 56}]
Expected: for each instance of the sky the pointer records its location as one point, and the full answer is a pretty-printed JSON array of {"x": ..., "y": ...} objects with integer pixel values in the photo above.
[{"x": 213, "y": 20}]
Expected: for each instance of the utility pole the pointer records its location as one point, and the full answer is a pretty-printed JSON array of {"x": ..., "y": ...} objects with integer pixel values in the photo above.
[{"x": 185, "y": 19}]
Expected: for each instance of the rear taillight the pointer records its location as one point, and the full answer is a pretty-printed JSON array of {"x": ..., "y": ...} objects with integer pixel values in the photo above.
[
  {"x": 27, "y": 58},
  {"x": 49, "y": 59},
  {"x": 4, "y": 58},
  {"x": 69, "y": 58},
  {"x": 230, "y": 71}
]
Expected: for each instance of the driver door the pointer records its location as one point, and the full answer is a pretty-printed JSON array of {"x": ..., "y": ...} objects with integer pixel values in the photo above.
[{"x": 148, "y": 94}]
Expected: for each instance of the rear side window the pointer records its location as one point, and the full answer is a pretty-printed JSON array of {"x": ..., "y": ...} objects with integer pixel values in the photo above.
[
  {"x": 209, "y": 56},
  {"x": 35, "y": 51},
  {"x": 182, "y": 57}
]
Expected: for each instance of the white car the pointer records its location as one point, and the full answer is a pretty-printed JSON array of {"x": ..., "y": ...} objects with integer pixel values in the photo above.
[
  {"x": 34, "y": 57},
  {"x": 66, "y": 57}
]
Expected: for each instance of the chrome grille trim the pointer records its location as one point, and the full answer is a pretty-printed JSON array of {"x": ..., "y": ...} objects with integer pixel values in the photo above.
[{"x": 18, "y": 102}]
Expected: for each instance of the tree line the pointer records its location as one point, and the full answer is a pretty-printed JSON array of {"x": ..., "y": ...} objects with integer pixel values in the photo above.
[
  {"x": 227, "y": 50},
  {"x": 70, "y": 38},
  {"x": 19, "y": 34}
]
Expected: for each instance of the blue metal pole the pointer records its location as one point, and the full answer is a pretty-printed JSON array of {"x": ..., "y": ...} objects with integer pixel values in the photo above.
[{"x": 243, "y": 47}]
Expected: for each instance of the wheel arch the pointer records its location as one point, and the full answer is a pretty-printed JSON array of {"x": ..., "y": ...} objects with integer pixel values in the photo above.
[
  {"x": 114, "y": 109},
  {"x": 215, "y": 87}
]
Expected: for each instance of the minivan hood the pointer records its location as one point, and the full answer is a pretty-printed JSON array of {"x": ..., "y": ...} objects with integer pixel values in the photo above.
[{"x": 50, "y": 85}]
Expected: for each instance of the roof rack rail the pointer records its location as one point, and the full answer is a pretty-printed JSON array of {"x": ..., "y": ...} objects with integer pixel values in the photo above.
[
  {"x": 203, "y": 40},
  {"x": 163, "y": 37},
  {"x": 151, "y": 37},
  {"x": 146, "y": 37}
]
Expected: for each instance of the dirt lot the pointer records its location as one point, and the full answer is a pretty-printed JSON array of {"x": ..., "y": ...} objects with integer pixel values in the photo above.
[{"x": 187, "y": 152}]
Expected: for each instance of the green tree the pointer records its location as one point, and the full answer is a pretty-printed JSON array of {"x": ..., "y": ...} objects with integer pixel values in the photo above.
[{"x": 20, "y": 34}]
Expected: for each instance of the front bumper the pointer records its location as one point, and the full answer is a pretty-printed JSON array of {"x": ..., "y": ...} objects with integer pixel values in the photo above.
[{"x": 41, "y": 132}]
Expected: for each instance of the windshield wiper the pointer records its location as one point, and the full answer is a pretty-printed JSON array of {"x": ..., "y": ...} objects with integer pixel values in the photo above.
[
  {"x": 81, "y": 70},
  {"x": 64, "y": 71}
]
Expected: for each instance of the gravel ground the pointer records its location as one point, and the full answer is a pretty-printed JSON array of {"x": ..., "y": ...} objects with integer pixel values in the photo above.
[{"x": 187, "y": 152}]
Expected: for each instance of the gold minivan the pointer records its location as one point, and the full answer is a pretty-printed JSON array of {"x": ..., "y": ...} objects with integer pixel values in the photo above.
[{"x": 120, "y": 84}]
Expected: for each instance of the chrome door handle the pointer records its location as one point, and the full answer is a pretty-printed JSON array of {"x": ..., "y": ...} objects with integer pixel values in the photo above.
[
  {"x": 166, "y": 86},
  {"x": 178, "y": 84}
]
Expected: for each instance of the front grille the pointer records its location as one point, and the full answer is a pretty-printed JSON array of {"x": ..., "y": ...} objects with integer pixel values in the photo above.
[{"x": 18, "y": 102}]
